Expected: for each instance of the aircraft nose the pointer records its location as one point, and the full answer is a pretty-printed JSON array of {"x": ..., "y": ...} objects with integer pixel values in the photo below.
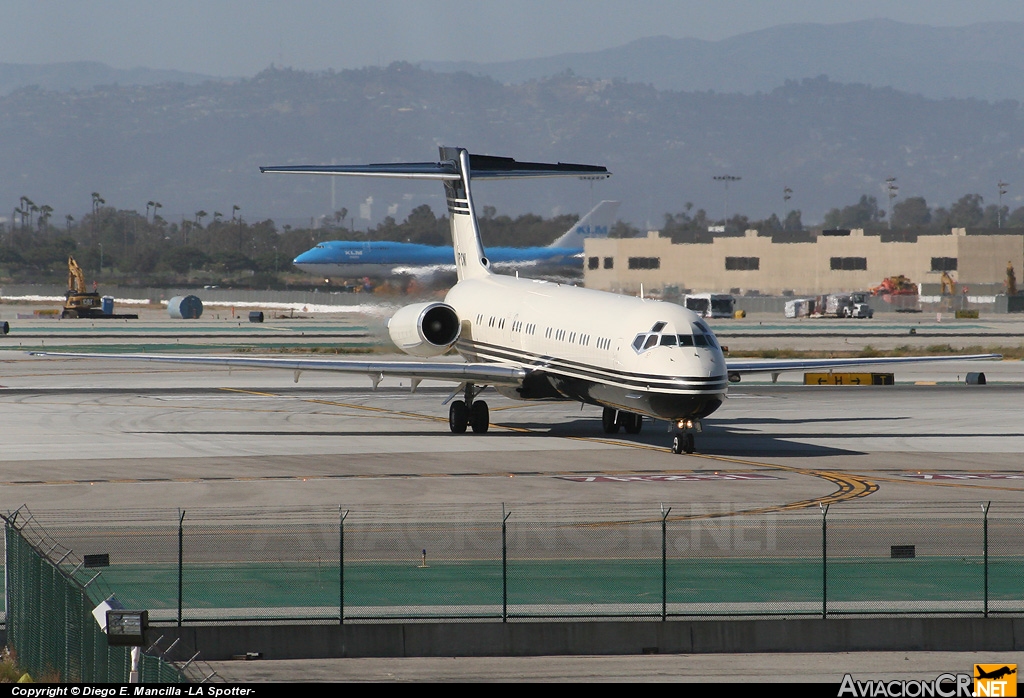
[{"x": 304, "y": 258}]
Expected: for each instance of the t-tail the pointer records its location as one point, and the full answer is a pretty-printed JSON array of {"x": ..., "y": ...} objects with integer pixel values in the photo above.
[
  {"x": 456, "y": 169},
  {"x": 594, "y": 224}
]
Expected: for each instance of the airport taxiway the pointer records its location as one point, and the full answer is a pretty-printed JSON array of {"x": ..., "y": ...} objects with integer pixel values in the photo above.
[{"x": 100, "y": 434}]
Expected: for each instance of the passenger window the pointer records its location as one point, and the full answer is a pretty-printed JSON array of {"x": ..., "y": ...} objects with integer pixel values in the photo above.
[
  {"x": 685, "y": 340},
  {"x": 668, "y": 340}
]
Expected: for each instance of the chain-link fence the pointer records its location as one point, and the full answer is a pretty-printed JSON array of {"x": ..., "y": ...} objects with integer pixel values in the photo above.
[
  {"x": 50, "y": 597},
  {"x": 377, "y": 563}
]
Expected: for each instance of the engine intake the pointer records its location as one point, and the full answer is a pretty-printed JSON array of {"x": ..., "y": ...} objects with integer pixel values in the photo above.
[{"x": 424, "y": 329}]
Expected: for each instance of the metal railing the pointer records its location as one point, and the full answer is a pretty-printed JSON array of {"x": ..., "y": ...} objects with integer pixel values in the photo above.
[{"x": 50, "y": 597}]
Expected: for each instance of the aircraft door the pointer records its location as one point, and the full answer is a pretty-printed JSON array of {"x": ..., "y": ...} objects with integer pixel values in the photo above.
[{"x": 617, "y": 353}]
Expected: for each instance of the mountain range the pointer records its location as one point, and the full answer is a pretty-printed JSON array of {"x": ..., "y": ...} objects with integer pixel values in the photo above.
[
  {"x": 981, "y": 61},
  {"x": 197, "y": 146}
]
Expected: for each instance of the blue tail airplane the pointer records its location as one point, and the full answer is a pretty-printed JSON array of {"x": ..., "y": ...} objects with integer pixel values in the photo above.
[{"x": 344, "y": 258}]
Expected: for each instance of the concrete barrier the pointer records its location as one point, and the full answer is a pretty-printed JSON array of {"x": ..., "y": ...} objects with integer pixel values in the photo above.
[{"x": 519, "y": 639}]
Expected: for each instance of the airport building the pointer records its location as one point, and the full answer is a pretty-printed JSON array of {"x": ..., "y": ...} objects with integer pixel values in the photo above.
[{"x": 807, "y": 263}]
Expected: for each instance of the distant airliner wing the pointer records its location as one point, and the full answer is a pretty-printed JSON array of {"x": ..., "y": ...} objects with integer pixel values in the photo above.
[
  {"x": 483, "y": 373},
  {"x": 745, "y": 366}
]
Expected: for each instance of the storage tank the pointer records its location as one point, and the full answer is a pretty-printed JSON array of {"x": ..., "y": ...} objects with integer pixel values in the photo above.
[{"x": 185, "y": 307}]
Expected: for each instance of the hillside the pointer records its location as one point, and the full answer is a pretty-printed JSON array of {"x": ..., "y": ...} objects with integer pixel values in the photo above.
[{"x": 199, "y": 146}]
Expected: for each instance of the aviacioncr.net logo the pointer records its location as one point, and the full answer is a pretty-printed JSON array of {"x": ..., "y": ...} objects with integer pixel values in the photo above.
[{"x": 942, "y": 686}]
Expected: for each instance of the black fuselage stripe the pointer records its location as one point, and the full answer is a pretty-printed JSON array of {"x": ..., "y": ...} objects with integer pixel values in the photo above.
[{"x": 569, "y": 369}]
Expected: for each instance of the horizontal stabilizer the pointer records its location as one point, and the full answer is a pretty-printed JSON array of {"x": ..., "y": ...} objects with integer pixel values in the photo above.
[{"x": 480, "y": 167}]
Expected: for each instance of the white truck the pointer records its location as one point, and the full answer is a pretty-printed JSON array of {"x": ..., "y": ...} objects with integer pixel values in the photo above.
[{"x": 711, "y": 304}]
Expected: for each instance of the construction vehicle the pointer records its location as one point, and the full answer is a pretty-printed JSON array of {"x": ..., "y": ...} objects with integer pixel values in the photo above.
[
  {"x": 80, "y": 303},
  {"x": 948, "y": 285},
  {"x": 895, "y": 286}
]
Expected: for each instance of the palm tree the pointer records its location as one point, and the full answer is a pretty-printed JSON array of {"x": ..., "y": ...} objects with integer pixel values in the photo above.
[
  {"x": 45, "y": 211},
  {"x": 68, "y": 219},
  {"x": 200, "y": 215},
  {"x": 149, "y": 205}
]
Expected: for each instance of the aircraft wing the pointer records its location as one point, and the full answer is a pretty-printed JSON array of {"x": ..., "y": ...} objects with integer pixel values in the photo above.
[
  {"x": 745, "y": 366},
  {"x": 456, "y": 372}
]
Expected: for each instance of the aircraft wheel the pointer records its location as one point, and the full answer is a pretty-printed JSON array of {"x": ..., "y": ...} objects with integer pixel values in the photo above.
[
  {"x": 677, "y": 443},
  {"x": 634, "y": 423},
  {"x": 458, "y": 417},
  {"x": 688, "y": 443},
  {"x": 479, "y": 417},
  {"x": 609, "y": 421}
]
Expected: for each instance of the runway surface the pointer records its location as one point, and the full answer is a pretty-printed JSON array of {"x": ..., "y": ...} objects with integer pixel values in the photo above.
[{"x": 103, "y": 435}]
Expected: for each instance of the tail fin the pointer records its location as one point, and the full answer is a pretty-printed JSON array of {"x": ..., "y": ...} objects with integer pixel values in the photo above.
[
  {"x": 456, "y": 168},
  {"x": 594, "y": 224},
  {"x": 470, "y": 259}
]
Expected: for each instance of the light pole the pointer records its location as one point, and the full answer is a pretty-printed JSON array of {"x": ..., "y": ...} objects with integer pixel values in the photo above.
[
  {"x": 726, "y": 179},
  {"x": 101, "y": 257},
  {"x": 999, "y": 213},
  {"x": 892, "y": 189}
]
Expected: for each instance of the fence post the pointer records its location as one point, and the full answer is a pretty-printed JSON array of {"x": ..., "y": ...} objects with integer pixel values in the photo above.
[
  {"x": 664, "y": 562},
  {"x": 181, "y": 555},
  {"x": 341, "y": 565},
  {"x": 985, "y": 508},
  {"x": 824, "y": 559},
  {"x": 504, "y": 565}
]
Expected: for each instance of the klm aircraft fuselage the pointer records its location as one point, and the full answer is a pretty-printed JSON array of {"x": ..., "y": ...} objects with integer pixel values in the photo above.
[{"x": 342, "y": 258}]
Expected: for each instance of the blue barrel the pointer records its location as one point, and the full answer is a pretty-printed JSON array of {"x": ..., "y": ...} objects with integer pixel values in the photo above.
[
  {"x": 256, "y": 316},
  {"x": 108, "y": 305},
  {"x": 185, "y": 307}
]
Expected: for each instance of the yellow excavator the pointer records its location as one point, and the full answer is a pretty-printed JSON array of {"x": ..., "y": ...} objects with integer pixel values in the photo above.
[{"x": 80, "y": 303}]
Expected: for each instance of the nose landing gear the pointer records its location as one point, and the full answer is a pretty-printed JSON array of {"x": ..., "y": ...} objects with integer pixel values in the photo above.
[{"x": 683, "y": 441}]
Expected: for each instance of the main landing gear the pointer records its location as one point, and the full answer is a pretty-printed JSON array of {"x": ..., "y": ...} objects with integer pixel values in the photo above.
[
  {"x": 682, "y": 441},
  {"x": 469, "y": 413},
  {"x": 612, "y": 419}
]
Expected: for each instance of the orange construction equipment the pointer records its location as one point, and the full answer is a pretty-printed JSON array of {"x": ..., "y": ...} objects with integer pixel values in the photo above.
[
  {"x": 948, "y": 285},
  {"x": 895, "y": 286}
]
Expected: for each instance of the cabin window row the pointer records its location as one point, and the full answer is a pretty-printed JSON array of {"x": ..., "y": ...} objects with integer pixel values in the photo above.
[{"x": 530, "y": 328}]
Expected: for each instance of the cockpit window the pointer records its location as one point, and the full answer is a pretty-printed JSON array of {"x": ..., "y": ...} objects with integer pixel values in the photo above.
[
  {"x": 658, "y": 326},
  {"x": 649, "y": 340}
]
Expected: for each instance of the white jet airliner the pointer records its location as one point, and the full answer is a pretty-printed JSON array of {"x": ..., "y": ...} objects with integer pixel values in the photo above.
[{"x": 536, "y": 340}]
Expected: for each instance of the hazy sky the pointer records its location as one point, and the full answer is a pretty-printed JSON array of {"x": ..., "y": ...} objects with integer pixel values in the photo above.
[{"x": 240, "y": 38}]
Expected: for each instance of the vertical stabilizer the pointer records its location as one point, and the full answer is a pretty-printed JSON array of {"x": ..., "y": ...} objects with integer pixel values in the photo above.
[
  {"x": 470, "y": 260},
  {"x": 594, "y": 224}
]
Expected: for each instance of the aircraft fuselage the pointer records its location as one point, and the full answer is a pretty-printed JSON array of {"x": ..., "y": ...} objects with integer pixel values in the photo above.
[{"x": 641, "y": 356}]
